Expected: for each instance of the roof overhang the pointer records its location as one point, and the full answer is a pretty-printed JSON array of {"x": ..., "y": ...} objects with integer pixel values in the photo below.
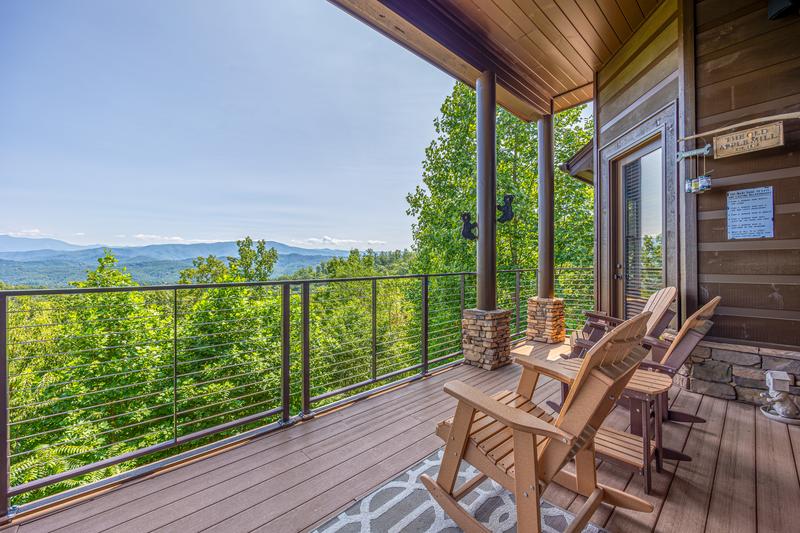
[
  {"x": 581, "y": 165},
  {"x": 457, "y": 37},
  {"x": 544, "y": 53}
]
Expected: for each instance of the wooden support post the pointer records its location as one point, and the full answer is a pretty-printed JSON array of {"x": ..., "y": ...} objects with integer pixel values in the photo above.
[
  {"x": 487, "y": 193},
  {"x": 546, "y": 276}
]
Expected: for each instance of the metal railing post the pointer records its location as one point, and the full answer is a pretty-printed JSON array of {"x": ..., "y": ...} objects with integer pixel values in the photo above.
[
  {"x": 175, "y": 364},
  {"x": 517, "y": 297},
  {"x": 306, "y": 306},
  {"x": 4, "y": 465},
  {"x": 286, "y": 301},
  {"x": 374, "y": 329},
  {"x": 425, "y": 311},
  {"x": 463, "y": 280}
]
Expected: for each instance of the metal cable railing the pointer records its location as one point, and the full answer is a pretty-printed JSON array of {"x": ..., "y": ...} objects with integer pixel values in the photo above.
[{"x": 102, "y": 380}]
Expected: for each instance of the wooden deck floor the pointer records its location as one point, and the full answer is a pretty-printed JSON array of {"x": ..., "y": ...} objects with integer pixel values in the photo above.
[{"x": 743, "y": 477}]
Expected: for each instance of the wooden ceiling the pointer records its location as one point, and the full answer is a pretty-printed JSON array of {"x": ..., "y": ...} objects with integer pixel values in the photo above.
[{"x": 542, "y": 51}]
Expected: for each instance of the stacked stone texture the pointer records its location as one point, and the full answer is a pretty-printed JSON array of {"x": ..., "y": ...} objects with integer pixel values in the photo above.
[
  {"x": 546, "y": 320},
  {"x": 735, "y": 371},
  {"x": 486, "y": 338}
]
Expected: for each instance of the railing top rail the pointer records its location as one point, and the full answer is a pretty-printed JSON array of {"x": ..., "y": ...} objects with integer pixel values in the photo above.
[{"x": 193, "y": 286}]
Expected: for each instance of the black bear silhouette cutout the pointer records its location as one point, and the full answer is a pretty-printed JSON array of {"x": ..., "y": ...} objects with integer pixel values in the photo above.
[
  {"x": 506, "y": 212},
  {"x": 468, "y": 227}
]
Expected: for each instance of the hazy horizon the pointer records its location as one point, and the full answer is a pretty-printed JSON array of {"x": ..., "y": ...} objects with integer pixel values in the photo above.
[
  {"x": 146, "y": 122},
  {"x": 186, "y": 243}
]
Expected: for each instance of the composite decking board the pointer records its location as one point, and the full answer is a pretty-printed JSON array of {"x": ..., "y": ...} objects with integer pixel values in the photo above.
[
  {"x": 257, "y": 488},
  {"x": 733, "y": 500},
  {"x": 297, "y": 519},
  {"x": 240, "y": 453},
  {"x": 607, "y": 473},
  {"x": 543, "y": 393},
  {"x": 794, "y": 438},
  {"x": 184, "y": 474},
  {"x": 675, "y": 437},
  {"x": 266, "y": 500},
  {"x": 611, "y": 474},
  {"x": 777, "y": 487},
  {"x": 407, "y": 417},
  {"x": 329, "y": 426},
  {"x": 162, "y": 511},
  {"x": 693, "y": 480}
]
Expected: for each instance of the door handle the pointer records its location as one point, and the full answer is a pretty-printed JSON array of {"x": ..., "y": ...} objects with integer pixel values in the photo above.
[{"x": 617, "y": 276}]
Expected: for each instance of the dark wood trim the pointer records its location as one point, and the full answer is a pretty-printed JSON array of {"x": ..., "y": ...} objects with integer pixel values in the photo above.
[
  {"x": 663, "y": 124},
  {"x": 749, "y": 245},
  {"x": 719, "y": 214},
  {"x": 754, "y": 312},
  {"x": 546, "y": 281},
  {"x": 639, "y": 101},
  {"x": 486, "y": 124},
  {"x": 687, "y": 212},
  {"x": 755, "y": 177},
  {"x": 647, "y": 145},
  {"x": 597, "y": 191},
  {"x": 751, "y": 279}
]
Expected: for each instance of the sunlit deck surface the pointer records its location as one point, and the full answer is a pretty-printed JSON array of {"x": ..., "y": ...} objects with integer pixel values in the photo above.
[{"x": 743, "y": 476}]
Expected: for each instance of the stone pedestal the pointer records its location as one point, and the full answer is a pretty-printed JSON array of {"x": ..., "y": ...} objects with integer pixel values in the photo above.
[
  {"x": 546, "y": 320},
  {"x": 486, "y": 338}
]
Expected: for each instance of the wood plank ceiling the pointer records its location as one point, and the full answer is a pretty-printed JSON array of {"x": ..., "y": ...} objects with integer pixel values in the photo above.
[{"x": 541, "y": 50}]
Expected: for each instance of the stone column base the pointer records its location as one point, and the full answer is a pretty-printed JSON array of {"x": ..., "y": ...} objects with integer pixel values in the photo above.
[
  {"x": 486, "y": 338},
  {"x": 546, "y": 320}
]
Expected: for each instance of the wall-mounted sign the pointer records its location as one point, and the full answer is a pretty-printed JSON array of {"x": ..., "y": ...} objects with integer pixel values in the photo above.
[
  {"x": 751, "y": 140},
  {"x": 750, "y": 214}
]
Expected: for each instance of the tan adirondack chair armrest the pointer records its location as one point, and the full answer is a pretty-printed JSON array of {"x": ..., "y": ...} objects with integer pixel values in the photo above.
[
  {"x": 654, "y": 342},
  {"x": 583, "y": 343},
  {"x": 657, "y": 367},
  {"x": 614, "y": 321},
  {"x": 553, "y": 369},
  {"x": 511, "y": 417}
]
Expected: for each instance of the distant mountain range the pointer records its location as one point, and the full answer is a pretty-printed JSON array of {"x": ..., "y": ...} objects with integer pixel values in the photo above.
[{"x": 54, "y": 263}]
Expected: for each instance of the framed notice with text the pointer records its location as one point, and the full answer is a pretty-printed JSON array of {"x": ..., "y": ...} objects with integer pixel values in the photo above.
[{"x": 751, "y": 214}]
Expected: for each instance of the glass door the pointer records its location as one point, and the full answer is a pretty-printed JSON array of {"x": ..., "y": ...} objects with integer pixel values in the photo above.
[{"x": 640, "y": 250}]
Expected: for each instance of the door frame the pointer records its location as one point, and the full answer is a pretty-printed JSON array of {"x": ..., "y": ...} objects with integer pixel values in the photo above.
[
  {"x": 662, "y": 124},
  {"x": 617, "y": 219}
]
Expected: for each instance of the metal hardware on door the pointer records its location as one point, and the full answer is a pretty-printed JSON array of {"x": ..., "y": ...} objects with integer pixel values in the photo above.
[{"x": 617, "y": 276}]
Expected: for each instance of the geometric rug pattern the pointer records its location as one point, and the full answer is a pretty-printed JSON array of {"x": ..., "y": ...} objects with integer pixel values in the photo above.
[{"x": 403, "y": 505}]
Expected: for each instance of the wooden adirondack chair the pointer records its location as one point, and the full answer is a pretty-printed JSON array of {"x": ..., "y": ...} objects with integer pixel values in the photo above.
[
  {"x": 668, "y": 358},
  {"x": 511, "y": 440},
  {"x": 597, "y": 324}
]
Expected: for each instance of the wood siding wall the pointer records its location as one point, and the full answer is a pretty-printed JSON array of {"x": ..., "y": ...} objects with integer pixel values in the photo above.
[
  {"x": 637, "y": 91},
  {"x": 749, "y": 67}
]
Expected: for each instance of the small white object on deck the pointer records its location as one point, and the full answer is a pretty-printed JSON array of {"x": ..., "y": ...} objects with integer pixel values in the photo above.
[{"x": 778, "y": 404}]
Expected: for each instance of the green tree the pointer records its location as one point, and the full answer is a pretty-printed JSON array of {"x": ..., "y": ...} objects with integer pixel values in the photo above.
[
  {"x": 254, "y": 263},
  {"x": 449, "y": 189}
]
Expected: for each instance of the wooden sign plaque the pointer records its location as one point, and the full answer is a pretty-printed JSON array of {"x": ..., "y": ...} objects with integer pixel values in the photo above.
[{"x": 750, "y": 140}]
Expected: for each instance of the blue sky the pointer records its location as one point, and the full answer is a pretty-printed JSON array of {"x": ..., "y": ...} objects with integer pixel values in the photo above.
[{"x": 142, "y": 121}]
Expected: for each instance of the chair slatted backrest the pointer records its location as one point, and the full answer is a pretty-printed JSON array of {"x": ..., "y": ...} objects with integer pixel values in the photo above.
[
  {"x": 658, "y": 304},
  {"x": 603, "y": 375},
  {"x": 684, "y": 342}
]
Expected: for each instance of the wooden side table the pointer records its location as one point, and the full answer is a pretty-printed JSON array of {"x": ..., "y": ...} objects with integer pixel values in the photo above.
[{"x": 646, "y": 392}]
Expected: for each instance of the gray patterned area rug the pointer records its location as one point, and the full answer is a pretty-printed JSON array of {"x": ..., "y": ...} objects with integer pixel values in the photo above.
[{"x": 403, "y": 505}]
